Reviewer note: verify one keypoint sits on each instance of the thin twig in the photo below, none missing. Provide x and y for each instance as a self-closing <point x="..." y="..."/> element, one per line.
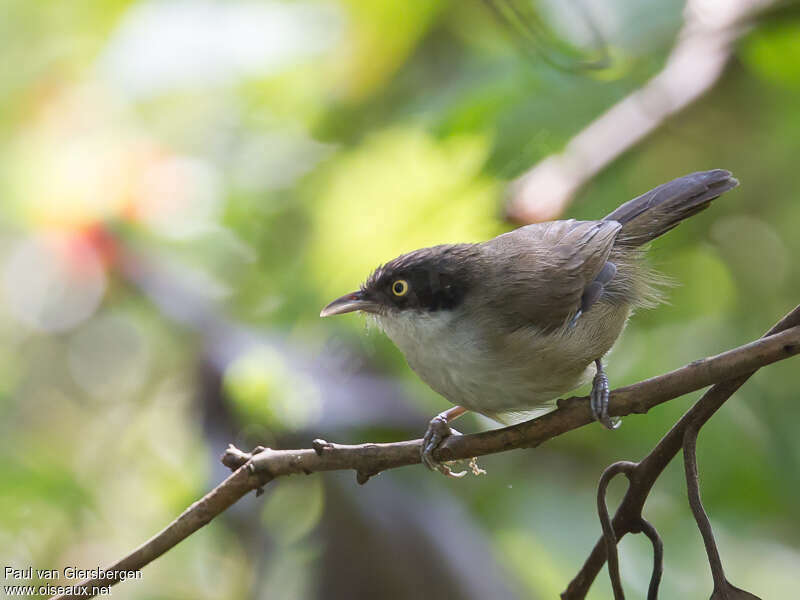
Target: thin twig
<point x="193" y="518"/>
<point x="605" y="522"/>
<point x="254" y="471"/>
<point x="610" y="537"/>
<point x="723" y="590"/>
<point x="658" y="557"/>
<point x="696" y="504"/>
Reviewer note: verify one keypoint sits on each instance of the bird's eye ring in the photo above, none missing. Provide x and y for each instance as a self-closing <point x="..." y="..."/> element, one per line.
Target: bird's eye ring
<point x="400" y="287"/>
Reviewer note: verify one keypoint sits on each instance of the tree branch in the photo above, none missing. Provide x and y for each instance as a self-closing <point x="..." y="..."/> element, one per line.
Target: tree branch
<point x="658" y="558"/>
<point x="254" y="470"/>
<point x="704" y="46"/>
<point x="723" y="589"/>
<point x="644" y="475"/>
<point x="610" y="537"/>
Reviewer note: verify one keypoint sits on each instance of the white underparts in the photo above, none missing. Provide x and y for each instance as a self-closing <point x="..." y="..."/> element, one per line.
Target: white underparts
<point x="493" y="373"/>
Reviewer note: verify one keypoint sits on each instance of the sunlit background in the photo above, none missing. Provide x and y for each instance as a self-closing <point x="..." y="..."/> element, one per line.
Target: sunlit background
<point x="184" y="184"/>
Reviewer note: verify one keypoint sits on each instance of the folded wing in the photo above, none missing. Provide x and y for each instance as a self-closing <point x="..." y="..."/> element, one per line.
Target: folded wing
<point x="552" y="270"/>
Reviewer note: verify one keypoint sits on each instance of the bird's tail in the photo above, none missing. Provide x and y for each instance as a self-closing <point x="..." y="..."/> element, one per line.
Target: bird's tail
<point x="654" y="213"/>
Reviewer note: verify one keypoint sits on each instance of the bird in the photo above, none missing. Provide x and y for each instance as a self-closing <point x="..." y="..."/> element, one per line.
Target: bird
<point x="506" y="326"/>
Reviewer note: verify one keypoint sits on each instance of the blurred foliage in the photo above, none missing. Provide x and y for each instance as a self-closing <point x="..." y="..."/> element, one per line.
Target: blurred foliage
<point x="411" y="189"/>
<point x="266" y="156"/>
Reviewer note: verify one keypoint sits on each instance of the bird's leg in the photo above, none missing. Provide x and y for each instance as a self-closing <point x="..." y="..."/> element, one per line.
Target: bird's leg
<point x="438" y="429"/>
<point x="599" y="398"/>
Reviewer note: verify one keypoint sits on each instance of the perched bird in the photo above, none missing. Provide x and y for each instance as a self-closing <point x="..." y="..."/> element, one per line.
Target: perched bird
<point x="506" y="326"/>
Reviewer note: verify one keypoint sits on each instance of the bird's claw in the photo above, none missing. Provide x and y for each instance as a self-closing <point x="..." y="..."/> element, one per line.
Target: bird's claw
<point x="438" y="430"/>
<point x="599" y="401"/>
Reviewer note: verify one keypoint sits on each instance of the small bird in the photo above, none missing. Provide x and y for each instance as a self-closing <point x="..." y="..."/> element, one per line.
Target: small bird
<point x="506" y="326"/>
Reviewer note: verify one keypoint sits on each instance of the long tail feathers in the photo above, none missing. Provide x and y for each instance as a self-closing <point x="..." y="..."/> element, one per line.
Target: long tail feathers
<point x="654" y="213"/>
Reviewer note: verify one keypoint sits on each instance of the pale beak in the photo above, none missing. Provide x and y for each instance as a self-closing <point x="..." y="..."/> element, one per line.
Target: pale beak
<point x="349" y="303"/>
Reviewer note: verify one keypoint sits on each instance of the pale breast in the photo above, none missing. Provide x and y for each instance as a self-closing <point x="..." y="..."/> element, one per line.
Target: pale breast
<point x="492" y="372"/>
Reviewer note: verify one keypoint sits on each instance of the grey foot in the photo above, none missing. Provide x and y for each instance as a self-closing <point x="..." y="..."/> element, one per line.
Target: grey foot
<point x="599" y="399"/>
<point x="437" y="431"/>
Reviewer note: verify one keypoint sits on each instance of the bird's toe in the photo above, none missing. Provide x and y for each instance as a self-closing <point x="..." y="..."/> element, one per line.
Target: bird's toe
<point x="599" y="400"/>
<point x="437" y="431"/>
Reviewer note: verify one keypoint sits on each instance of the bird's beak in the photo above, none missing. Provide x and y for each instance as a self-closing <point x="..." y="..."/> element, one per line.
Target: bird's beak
<point x="349" y="303"/>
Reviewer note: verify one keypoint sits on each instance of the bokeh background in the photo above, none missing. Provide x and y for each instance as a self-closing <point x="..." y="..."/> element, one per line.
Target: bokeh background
<point x="184" y="184"/>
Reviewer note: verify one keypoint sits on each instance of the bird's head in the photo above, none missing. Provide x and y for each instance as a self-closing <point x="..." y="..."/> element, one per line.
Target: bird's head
<point x="427" y="281"/>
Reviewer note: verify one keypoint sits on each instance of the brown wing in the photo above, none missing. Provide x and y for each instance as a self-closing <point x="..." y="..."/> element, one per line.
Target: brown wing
<point x="546" y="268"/>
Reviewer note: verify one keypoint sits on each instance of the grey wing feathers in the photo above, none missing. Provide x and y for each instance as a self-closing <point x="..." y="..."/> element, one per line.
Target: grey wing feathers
<point x="548" y="267"/>
<point x="655" y="212"/>
<point x="595" y="289"/>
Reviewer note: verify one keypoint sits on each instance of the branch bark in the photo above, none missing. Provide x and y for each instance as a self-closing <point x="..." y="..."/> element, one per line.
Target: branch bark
<point x="723" y="589"/>
<point x="254" y="470"/>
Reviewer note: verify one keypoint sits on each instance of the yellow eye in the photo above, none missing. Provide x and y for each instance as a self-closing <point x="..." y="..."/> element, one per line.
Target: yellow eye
<point x="400" y="287"/>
